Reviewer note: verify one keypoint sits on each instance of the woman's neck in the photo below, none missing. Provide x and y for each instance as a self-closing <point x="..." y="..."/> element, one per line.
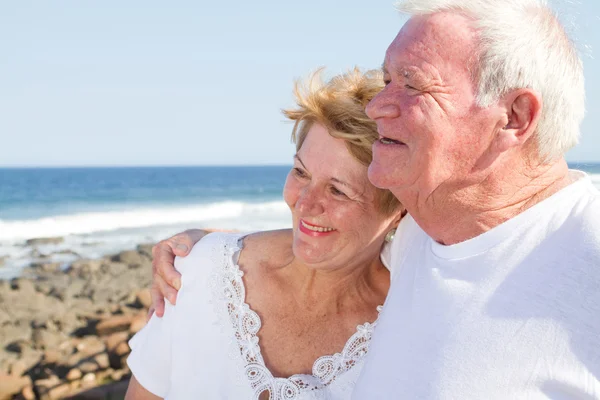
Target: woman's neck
<point x="331" y="291"/>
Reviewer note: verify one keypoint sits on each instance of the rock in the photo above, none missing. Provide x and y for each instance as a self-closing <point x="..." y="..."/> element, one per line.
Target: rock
<point x="67" y="252"/>
<point x="44" y="386"/>
<point x="102" y="361"/>
<point x="88" y="366"/>
<point x="131" y="257"/>
<point x="48" y="240"/>
<point x="46" y="267"/>
<point x="115" y="339"/>
<point x="45" y="339"/>
<point x="25" y="286"/>
<point x="19" y="367"/>
<point x="90" y="346"/>
<point x="89" y="380"/>
<point x="85" y="266"/>
<point x="12" y="385"/>
<point x="27" y="393"/>
<point x="122" y="349"/>
<point x="52" y="356"/>
<point x="118" y="375"/>
<point x="18" y="346"/>
<point x="114" y="324"/>
<point x="138" y="322"/>
<point x="143" y="298"/>
<point x="145" y="249"/>
<point x="74" y="374"/>
<point x="59" y="392"/>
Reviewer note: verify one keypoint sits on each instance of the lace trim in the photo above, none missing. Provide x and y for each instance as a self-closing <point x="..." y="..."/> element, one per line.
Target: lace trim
<point x="246" y="323"/>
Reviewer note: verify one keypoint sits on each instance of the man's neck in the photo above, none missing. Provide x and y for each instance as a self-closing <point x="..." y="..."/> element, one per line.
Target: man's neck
<point x="458" y="215"/>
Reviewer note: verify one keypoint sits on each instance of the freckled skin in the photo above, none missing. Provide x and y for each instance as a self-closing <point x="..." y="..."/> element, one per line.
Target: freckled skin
<point x="312" y="292"/>
<point x="312" y="196"/>
<point x="461" y="171"/>
<point x="437" y="119"/>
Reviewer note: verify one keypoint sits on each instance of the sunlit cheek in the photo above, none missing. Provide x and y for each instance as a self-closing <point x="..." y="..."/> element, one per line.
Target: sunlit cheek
<point x="290" y="192"/>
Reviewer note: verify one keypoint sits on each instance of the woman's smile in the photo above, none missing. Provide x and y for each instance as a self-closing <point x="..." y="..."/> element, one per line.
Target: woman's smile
<point x="314" y="230"/>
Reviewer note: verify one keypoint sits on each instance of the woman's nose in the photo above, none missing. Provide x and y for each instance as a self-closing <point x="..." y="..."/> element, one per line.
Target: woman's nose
<point x="309" y="202"/>
<point x="383" y="106"/>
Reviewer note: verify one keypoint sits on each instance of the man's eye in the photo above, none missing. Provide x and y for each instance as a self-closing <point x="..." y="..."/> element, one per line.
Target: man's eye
<point x="409" y="87"/>
<point x="337" y="192"/>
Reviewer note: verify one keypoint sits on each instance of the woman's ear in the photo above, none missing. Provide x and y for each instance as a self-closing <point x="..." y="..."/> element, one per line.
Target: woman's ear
<point x="398" y="215"/>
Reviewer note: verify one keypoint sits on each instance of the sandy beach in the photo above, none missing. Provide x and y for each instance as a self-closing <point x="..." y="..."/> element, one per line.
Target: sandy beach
<point x="64" y="333"/>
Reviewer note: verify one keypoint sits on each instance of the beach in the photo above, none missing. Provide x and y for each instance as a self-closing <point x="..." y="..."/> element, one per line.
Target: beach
<point x="65" y="332"/>
<point x="75" y="262"/>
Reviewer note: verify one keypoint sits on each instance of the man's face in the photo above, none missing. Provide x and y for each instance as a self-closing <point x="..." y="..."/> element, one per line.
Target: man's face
<point x="432" y="133"/>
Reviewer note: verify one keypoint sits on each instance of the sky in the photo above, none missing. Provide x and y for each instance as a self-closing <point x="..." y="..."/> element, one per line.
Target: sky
<point x="113" y="83"/>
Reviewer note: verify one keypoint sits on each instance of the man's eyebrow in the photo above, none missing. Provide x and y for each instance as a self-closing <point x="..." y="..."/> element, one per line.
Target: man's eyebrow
<point x="400" y="71"/>
<point x="383" y="68"/>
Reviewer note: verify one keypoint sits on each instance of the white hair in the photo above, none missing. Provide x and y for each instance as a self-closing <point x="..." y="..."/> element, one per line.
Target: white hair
<point x="523" y="45"/>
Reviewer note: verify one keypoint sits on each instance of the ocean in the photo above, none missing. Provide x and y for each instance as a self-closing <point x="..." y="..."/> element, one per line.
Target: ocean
<point x="99" y="211"/>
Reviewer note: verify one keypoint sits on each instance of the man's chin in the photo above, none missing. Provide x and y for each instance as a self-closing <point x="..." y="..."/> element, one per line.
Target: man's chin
<point x="379" y="176"/>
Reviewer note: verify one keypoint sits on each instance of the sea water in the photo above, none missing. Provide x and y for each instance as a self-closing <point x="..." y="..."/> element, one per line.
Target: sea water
<point x="99" y="211"/>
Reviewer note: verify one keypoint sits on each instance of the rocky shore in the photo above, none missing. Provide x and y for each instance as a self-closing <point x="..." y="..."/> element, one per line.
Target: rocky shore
<point x="64" y="333"/>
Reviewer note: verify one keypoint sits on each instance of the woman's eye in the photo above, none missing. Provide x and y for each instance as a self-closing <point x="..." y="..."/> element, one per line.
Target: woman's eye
<point x="299" y="173"/>
<point x="409" y="87"/>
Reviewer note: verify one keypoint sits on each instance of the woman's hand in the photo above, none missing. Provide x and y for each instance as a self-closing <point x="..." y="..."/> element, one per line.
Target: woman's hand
<point x="166" y="281"/>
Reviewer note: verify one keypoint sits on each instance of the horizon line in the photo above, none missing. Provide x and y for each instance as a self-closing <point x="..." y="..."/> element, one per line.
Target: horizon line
<point x="81" y="166"/>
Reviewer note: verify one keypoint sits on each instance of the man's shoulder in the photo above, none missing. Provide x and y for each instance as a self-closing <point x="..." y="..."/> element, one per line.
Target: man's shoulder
<point x="584" y="219"/>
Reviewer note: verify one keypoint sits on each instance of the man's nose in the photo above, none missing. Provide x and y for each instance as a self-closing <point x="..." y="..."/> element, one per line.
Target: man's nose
<point x="383" y="106"/>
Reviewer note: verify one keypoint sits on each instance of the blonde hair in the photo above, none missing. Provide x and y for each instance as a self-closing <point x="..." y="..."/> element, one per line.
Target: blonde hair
<point x="339" y="105"/>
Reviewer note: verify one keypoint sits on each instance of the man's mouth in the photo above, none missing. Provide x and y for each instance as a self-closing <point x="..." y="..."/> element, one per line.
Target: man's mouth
<point x="388" y="141"/>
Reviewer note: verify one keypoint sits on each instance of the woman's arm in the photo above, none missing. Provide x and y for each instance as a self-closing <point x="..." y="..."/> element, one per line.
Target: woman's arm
<point x="135" y="391"/>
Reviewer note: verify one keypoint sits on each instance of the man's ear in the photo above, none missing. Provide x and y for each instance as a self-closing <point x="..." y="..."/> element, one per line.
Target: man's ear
<point x="523" y="111"/>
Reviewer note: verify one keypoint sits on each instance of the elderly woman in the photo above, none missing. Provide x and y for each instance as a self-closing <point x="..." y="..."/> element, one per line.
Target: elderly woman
<point x="258" y="318"/>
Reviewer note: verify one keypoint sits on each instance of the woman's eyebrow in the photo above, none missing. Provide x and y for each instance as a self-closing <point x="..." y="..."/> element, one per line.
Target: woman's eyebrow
<point x="336" y="180"/>
<point x="349" y="186"/>
<point x="297" y="157"/>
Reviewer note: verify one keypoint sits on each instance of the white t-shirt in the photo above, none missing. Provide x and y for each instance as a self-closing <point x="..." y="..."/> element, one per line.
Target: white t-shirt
<point x="207" y="346"/>
<point x="511" y="314"/>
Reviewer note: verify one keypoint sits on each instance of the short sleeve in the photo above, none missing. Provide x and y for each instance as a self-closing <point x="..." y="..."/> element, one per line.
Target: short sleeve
<point x="151" y="348"/>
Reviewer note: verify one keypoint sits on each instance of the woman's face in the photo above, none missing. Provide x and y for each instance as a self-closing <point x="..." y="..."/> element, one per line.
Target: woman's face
<point x="335" y="219"/>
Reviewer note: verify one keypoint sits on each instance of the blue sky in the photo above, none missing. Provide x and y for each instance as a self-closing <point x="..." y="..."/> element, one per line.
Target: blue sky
<point x="194" y="82"/>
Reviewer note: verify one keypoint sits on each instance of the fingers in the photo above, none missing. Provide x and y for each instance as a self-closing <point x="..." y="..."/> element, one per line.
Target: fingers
<point x="166" y="290"/>
<point x="163" y="259"/>
<point x="158" y="302"/>
<point x="149" y="315"/>
<point x="166" y="280"/>
<point x="182" y="243"/>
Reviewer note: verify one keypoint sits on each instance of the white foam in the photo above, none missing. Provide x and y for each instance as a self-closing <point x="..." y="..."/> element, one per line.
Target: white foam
<point x="595" y="180"/>
<point x="93" y="222"/>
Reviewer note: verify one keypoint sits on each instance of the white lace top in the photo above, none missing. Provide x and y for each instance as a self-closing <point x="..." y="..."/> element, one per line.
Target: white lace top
<point x="207" y="346"/>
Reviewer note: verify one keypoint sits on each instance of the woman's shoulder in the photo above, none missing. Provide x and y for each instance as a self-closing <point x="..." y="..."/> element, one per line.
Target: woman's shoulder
<point x="267" y="248"/>
<point x="211" y="251"/>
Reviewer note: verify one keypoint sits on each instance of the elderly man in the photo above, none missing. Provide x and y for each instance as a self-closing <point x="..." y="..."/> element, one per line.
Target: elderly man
<point x="496" y="269"/>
